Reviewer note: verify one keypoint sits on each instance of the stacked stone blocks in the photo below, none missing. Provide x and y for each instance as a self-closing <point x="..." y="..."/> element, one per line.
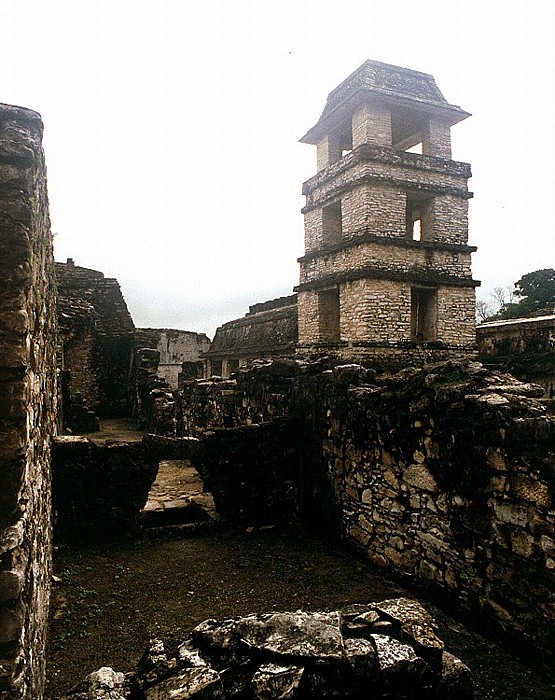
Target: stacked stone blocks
<point x="28" y="403"/>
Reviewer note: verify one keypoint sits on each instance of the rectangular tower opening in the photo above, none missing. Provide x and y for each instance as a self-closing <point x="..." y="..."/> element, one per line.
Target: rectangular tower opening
<point x="423" y="314"/>
<point x="328" y="315"/>
<point x="419" y="217"/>
<point x="332" y="224"/>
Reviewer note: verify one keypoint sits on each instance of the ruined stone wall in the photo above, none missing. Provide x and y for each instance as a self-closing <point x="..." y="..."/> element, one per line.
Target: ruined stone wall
<point x="444" y="475"/>
<point x="96" y="340"/>
<point x="28" y="397"/>
<point x="175" y="347"/>
<point x="98" y="490"/>
<point x="154" y="405"/>
<point x="447" y="477"/>
<point x="523" y="346"/>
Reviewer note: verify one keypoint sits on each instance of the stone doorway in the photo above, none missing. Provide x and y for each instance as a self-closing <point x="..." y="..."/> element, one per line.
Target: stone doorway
<point x="177" y="498"/>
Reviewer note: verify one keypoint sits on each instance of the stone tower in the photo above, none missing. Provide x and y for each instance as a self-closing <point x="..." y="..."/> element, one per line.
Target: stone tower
<point x="386" y="271"/>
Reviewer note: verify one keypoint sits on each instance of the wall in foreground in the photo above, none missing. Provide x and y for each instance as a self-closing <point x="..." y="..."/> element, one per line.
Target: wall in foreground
<point x="27" y="403"/>
<point x="443" y="475"/>
<point x="446" y="477"/>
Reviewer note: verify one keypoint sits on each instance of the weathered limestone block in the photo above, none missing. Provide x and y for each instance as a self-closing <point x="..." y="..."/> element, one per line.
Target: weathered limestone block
<point x="274" y="681"/>
<point x="104" y="684"/>
<point x="362" y="651"/>
<point x="300" y="635"/>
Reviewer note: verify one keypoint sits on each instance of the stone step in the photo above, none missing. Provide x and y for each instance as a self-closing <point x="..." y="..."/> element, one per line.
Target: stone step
<point x="179" y="531"/>
<point x="177" y="512"/>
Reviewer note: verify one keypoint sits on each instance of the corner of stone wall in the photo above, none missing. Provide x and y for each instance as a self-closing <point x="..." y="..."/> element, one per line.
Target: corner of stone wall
<point x="28" y="403"/>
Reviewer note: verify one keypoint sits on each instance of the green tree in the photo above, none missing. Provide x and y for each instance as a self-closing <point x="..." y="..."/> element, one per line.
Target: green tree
<point x="534" y="291"/>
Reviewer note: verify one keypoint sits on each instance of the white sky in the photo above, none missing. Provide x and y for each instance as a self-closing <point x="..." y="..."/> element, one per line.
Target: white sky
<point x="172" y="127"/>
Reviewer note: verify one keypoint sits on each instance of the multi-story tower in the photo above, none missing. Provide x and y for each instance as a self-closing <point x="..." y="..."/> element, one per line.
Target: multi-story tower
<point x="386" y="271"/>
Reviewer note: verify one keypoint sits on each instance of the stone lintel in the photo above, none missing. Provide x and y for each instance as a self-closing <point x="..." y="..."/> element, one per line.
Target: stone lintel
<point x="424" y="278"/>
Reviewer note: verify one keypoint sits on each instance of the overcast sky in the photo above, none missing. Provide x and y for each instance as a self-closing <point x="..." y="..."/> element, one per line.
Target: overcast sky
<point x="172" y="127"/>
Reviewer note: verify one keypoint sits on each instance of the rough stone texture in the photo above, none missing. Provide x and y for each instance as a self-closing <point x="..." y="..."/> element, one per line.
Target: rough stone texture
<point x="96" y="342"/>
<point x="99" y="490"/>
<point x="28" y="402"/>
<point x="104" y="684"/>
<point x="176" y="347"/>
<point x="444" y="474"/>
<point x="268" y="330"/>
<point x="523" y="346"/>
<point x="154" y="398"/>
<point x="341" y="654"/>
<point x="254" y="472"/>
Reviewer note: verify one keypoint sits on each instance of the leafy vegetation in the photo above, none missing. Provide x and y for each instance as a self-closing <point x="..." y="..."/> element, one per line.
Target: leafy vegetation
<point x="532" y="293"/>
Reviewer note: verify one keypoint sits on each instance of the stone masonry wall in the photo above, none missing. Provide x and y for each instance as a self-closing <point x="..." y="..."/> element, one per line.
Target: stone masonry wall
<point x="408" y="258"/>
<point x="28" y="400"/>
<point x="175" y="348"/>
<point x="391" y="171"/>
<point x="268" y="330"/>
<point x="96" y="340"/>
<point x="444" y="474"/>
<point x="376" y="319"/>
<point x="523" y="346"/>
<point x="98" y="490"/>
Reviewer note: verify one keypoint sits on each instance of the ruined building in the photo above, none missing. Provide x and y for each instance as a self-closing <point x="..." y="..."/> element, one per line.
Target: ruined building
<point x="386" y="270"/>
<point x="179" y="352"/>
<point x="96" y="343"/>
<point x="522" y="346"/>
<point x="268" y="330"/>
<point x="97" y="346"/>
<point x="441" y="474"/>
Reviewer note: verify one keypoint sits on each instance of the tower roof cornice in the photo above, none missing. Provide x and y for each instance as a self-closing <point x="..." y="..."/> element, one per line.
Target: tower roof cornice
<point x="393" y="84"/>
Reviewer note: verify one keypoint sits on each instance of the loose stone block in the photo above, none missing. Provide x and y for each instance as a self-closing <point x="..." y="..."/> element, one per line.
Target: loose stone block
<point x="420" y="477"/>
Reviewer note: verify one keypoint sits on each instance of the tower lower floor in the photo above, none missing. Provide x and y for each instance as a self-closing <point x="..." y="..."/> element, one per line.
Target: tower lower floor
<point x="390" y="323"/>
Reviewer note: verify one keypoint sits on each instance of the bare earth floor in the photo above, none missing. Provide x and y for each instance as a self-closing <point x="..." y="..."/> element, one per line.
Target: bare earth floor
<point x="110" y="601"/>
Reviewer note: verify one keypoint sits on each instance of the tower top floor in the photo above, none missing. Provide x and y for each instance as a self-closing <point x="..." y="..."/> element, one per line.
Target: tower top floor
<point x="384" y="105"/>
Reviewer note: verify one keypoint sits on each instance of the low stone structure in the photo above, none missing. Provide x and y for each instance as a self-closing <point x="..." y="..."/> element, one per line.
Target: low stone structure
<point x="524" y="347"/>
<point x="270" y="329"/>
<point x="155" y="409"/>
<point x="99" y="489"/>
<point x="380" y="650"/>
<point x="28" y="403"/>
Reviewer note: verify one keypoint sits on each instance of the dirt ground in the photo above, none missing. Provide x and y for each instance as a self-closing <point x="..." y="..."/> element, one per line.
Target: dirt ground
<point x="110" y="601"/>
